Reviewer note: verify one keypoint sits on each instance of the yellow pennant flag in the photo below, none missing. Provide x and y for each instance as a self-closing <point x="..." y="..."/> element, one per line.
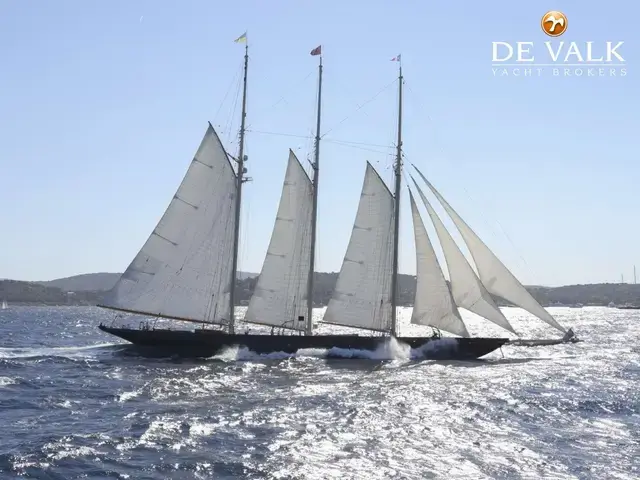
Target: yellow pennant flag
<point x="242" y="38"/>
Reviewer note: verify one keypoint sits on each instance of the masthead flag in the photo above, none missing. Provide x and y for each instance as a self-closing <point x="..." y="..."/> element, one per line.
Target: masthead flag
<point x="242" y="38"/>
<point x="317" y="50"/>
<point x="396" y="59"/>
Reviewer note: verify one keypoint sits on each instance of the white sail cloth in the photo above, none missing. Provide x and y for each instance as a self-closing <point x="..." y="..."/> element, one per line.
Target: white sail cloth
<point x="280" y="296"/>
<point x="184" y="268"/>
<point x="362" y="296"/>
<point x="495" y="277"/>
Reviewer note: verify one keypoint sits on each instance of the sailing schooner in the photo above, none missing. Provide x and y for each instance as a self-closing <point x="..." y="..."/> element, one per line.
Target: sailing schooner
<point x="187" y="268"/>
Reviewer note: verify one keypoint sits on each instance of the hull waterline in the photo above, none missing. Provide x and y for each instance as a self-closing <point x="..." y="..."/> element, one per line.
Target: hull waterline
<point x="206" y="343"/>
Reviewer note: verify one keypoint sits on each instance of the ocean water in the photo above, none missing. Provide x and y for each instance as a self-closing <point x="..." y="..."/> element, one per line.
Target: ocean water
<point x="76" y="403"/>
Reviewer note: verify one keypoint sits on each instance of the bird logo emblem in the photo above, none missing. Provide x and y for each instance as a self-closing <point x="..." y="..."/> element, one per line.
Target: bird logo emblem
<point x="554" y="23"/>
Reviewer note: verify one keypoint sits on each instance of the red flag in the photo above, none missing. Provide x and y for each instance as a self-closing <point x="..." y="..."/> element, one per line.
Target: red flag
<point x="317" y="50"/>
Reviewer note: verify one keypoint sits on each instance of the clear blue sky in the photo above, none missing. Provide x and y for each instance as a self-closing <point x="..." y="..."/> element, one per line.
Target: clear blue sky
<point x="104" y="103"/>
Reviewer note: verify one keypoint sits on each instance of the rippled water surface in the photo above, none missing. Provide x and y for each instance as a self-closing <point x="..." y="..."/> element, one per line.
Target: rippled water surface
<point x="76" y="403"/>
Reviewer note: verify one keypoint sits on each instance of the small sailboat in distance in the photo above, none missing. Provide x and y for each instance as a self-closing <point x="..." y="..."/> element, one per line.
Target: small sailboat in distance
<point x="186" y="270"/>
<point x="4" y="305"/>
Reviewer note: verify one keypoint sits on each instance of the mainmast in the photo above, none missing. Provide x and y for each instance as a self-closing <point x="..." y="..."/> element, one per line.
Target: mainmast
<point x="396" y="217"/>
<point x="314" y="210"/>
<point x="240" y="178"/>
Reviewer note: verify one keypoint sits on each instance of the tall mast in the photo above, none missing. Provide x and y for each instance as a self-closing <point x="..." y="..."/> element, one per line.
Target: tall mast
<point x="314" y="210"/>
<point x="396" y="216"/>
<point x="240" y="178"/>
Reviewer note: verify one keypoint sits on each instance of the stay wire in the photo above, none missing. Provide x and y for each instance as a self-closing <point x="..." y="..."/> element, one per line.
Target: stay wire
<point x="416" y="100"/>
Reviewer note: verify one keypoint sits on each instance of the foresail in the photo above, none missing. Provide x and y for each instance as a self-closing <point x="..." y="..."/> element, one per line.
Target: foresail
<point x="280" y="296"/>
<point x="362" y="296"/>
<point x="184" y="268"/>
<point x="434" y="305"/>
<point x="496" y="278"/>
<point x="468" y="292"/>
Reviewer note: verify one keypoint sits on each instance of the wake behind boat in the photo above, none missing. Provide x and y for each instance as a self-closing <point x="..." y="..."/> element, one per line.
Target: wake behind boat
<point x="186" y="270"/>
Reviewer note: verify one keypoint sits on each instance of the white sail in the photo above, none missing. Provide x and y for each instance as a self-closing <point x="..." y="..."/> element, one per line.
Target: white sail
<point x="467" y="289"/>
<point x="496" y="278"/>
<point x="4" y="304"/>
<point x="280" y="296"/>
<point x="184" y="268"/>
<point x="362" y="294"/>
<point x="434" y="305"/>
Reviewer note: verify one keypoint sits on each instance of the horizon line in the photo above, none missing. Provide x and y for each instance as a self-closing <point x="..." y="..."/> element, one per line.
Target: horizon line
<point x="335" y="273"/>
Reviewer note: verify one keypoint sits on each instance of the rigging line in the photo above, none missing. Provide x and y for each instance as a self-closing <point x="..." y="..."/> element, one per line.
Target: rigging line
<point x="310" y="144"/>
<point x="262" y="132"/>
<point x="327" y="140"/>
<point x="365" y="144"/>
<point x="282" y="98"/>
<point x="229" y="121"/>
<point x="359" y="148"/>
<point x="484" y="218"/>
<point x="360" y="107"/>
<point x="393" y="140"/>
<point x="224" y="99"/>
<point x="235" y="109"/>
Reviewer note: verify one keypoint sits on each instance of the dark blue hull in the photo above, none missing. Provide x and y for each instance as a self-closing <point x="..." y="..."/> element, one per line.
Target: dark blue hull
<point x="206" y="343"/>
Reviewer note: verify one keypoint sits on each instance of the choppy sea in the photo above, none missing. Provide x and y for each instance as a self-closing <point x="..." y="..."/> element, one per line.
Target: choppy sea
<point x="76" y="403"/>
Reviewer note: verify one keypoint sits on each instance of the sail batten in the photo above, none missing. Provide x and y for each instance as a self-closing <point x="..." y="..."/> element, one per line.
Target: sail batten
<point x="361" y="298"/>
<point x="183" y="269"/>
<point x="434" y="305"/>
<point x="280" y="296"/>
<point x="494" y="275"/>
<point x="466" y="288"/>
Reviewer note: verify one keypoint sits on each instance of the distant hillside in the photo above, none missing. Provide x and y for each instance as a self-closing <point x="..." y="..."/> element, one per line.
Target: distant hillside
<point x="88" y="289"/>
<point x="85" y="282"/>
<point x="32" y="293"/>
<point x="597" y="294"/>
<point x="98" y="282"/>
<point x="593" y="294"/>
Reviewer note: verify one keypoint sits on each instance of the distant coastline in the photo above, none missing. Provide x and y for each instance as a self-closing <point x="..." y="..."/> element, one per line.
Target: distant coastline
<point x="90" y="288"/>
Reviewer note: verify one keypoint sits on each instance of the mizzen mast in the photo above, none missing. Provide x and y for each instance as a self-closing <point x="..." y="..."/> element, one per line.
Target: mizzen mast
<point x="396" y="216"/>
<point x="240" y="180"/>
<point x="314" y="210"/>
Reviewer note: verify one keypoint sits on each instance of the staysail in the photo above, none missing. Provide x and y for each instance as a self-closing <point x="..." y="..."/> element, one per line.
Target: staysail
<point x="361" y="298"/>
<point x="184" y="268"/>
<point x="280" y="296"/>
<point x="434" y="305"/>
<point x="493" y="274"/>
<point x="467" y="289"/>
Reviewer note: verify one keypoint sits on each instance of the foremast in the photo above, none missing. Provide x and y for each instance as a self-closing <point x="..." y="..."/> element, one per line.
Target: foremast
<point x="396" y="216"/>
<point x="314" y="210"/>
<point x="240" y="180"/>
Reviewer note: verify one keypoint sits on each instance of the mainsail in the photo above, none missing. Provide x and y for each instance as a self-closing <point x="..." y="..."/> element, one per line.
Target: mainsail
<point x="467" y="289"/>
<point x="493" y="274"/>
<point x="280" y="296"/>
<point x="183" y="270"/>
<point x="434" y="305"/>
<point x="361" y="298"/>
